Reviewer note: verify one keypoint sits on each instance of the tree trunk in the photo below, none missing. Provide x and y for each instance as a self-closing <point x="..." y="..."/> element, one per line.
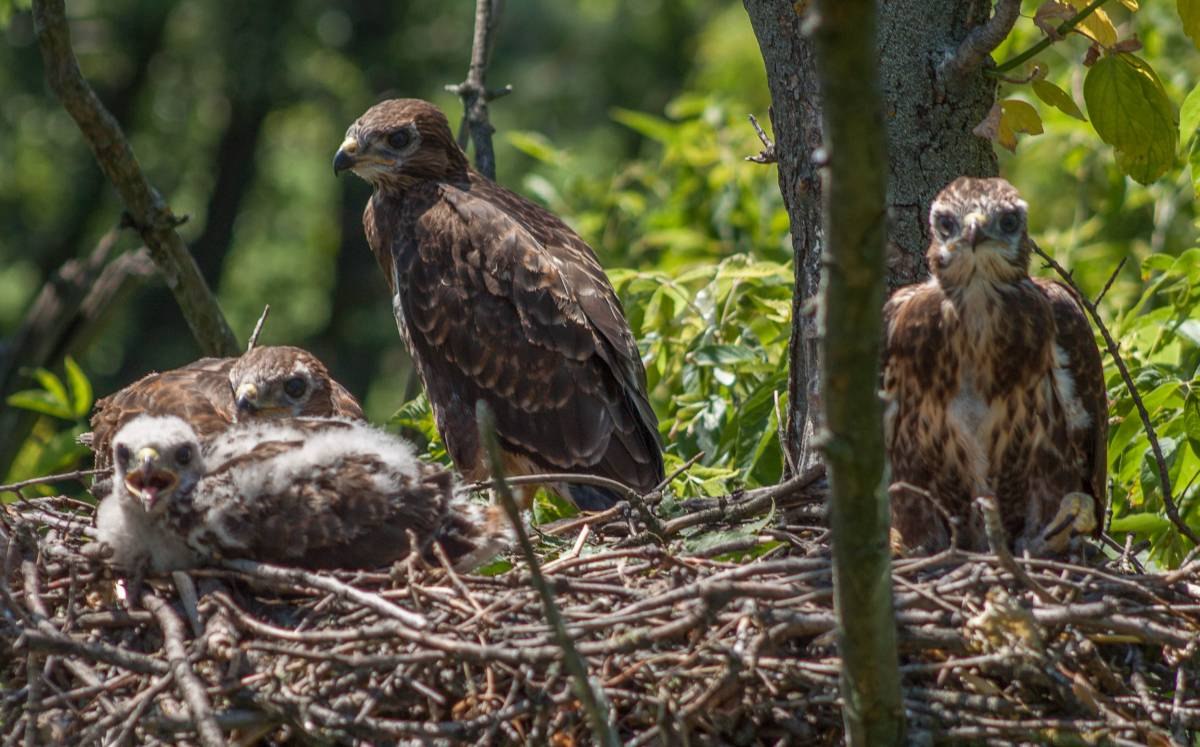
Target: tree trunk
<point x="929" y="142"/>
<point x="854" y="183"/>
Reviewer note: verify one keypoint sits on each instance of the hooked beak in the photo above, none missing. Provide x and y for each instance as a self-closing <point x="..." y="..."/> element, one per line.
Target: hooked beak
<point x="974" y="233"/>
<point x="346" y="156"/>
<point x="247" y="399"/>
<point x="148" y="482"/>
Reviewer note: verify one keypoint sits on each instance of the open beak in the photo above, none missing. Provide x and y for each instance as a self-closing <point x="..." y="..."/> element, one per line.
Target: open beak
<point x="149" y="482"/>
<point x="346" y="156"/>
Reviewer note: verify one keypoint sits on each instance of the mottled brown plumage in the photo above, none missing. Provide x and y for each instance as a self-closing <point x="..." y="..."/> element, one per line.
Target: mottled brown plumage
<point x="993" y="381"/>
<point x="203" y="394"/>
<point x="500" y="301"/>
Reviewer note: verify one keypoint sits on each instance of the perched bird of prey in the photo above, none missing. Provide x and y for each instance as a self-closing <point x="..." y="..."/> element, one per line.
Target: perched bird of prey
<point x="309" y="492"/>
<point x="993" y="385"/>
<point x="500" y="301"/>
<point x="212" y="393"/>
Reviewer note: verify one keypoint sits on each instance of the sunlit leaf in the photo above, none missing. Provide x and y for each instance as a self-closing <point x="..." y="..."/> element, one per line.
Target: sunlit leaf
<point x="1096" y="25"/>
<point x="1058" y="98"/>
<point x="81" y="388"/>
<point x="1140" y="522"/>
<point x="1131" y="112"/>
<point x="1189" y="13"/>
<point x="41" y="401"/>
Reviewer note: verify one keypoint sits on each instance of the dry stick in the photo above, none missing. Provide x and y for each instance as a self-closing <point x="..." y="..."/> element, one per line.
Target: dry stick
<point x="593" y="701"/>
<point x="145" y="207"/>
<point x="299" y="577"/>
<point x="1164" y="475"/>
<point x="78" y="474"/>
<point x="474" y="92"/>
<point x="766" y="155"/>
<point x="258" y="328"/>
<point x="186" y="681"/>
<point x="993" y="527"/>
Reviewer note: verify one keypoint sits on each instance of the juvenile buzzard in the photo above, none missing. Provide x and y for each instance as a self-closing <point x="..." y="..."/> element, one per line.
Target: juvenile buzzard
<point x="310" y="492"/>
<point x="267" y="381"/>
<point x="994" y="384"/>
<point x="498" y="300"/>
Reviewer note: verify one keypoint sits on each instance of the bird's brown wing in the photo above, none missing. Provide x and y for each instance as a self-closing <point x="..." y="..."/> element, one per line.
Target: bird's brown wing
<point x="524" y="319"/>
<point x="198" y="393"/>
<point x="1083" y="363"/>
<point x="344" y="403"/>
<point x="325" y="515"/>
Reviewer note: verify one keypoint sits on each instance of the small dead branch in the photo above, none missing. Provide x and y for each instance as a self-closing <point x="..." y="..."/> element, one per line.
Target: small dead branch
<point x="258" y="327"/>
<point x="145" y="208"/>
<point x="1114" y="350"/>
<point x="767" y="154"/>
<point x="186" y="681"/>
<point x="474" y="92"/>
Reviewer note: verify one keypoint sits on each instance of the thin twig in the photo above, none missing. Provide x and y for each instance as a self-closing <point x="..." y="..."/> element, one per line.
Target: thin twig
<point x="767" y="154"/>
<point x="189" y="685"/>
<point x="258" y="327"/>
<point x="592" y="699"/>
<point x="1111" y="279"/>
<point x="78" y="474"/>
<point x="1063" y="29"/>
<point x="474" y="92"/>
<point x="146" y="209"/>
<point x="993" y="527"/>
<point x="1164" y="473"/>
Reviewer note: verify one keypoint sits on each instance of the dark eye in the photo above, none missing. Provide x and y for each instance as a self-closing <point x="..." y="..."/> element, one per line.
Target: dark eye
<point x="183" y="455"/>
<point x="400" y="139"/>
<point x="123" y="453"/>
<point x="945" y="224"/>
<point x="294" y="387"/>
<point x="1010" y="222"/>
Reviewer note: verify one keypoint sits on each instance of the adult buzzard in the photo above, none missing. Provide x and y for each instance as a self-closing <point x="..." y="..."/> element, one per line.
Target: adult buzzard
<point x="500" y="301"/>
<point x="994" y="385"/>
<point x="212" y="393"/>
<point x="309" y="492"/>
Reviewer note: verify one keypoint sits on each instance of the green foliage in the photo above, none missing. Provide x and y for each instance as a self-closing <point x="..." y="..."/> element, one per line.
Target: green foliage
<point x="1131" y="112"/>
<point x="64" y="404"/>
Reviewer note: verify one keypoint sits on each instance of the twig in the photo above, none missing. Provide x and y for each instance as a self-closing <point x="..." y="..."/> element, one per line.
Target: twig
<point x="474" y="92"/>
<point x="300" y="577"/>
<point x="78" y="474"/>
<point x="1063" y="29"/>
<point x="767" y="154"/>
<point x="1111" y="279"/>
<point x="258" y="328"/>
<point x="592" y="700"/>
<point x="677" y="472"/>
<point x="980" y="42"/>
<point x="188" y="684"/>
<point x="146" y="208"/>
<point x="1164" y="474"/>
<point x="993" y="527"/>
<point x="570" y="477"/>
<point x="756" y="502"/>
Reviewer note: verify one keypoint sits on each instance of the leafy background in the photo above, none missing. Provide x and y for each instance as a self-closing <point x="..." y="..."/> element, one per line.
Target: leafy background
<point x="629" y="119"/>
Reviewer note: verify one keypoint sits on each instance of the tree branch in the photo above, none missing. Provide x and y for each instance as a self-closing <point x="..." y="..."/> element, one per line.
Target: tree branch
<point x="189" y="685"/>
<point x="855" y="180"/>
<point x="980" y="43"/>
<point x="1164" y="473"/>
<point x="145" y="207"/>
<point x="474" y="92"/>
<point x="1063" y="29"/>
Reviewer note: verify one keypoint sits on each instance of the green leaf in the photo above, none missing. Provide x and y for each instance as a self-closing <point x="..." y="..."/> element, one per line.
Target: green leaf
<point x="53" y="386"/>
<point x="1189" y="13"/>
<point x="41" y="401"/>
<point x="655" y="128"/>
<point x="537" y="146"/>
<point x="1140" y="522"/>
<point x="1189" y="114"/>
<point x="81" y="388"/>
<point x="1058" y="98"/>
<point x="1131" y="112"/>
<point x="721" y="355"/>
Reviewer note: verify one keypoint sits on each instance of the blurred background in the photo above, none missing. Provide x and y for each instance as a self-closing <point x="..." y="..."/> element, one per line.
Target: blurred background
<point x="628" y="118"/>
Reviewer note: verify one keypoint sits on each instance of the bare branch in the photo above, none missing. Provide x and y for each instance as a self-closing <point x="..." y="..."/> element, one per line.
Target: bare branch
<point x="474" y="92"/>
<point x="980" y="43"/>
<point x="145" y="208"/>
<point x="767" y="154"/>
<point x="189" y="685"/>
<point x="258" y="328"/>
<point x="1164" y="473"/>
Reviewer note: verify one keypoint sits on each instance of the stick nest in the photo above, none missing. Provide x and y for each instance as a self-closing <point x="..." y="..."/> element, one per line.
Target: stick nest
<point x="683" y="647"/>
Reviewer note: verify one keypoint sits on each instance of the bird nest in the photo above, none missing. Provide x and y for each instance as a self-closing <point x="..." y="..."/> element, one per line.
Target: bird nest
<point x="681" y="647"/>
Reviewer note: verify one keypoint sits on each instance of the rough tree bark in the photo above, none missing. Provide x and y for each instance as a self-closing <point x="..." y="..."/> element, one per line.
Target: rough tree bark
<point x="934" y="94"/>
<point x="854" y="184"/>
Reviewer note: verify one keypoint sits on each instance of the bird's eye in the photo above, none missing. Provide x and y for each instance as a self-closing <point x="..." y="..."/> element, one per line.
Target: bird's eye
<point x="294" y="387"/>
<point x="123" y="453"/>
<point x="1010" y="222"/>
<point x="945" y="224"/>
<point x="183" y="454"/>
<point x="400" y="139"/>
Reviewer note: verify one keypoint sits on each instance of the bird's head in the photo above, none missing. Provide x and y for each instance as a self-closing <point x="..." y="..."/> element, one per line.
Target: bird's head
<point x="399" y="142"/>
<point x="279" y="382"/>
<point x="155" y="459"/>
<point x="978" y="229"/>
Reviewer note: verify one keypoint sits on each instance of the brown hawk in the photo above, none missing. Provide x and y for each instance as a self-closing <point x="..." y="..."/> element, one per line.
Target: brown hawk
<point x="308" y="492"/>
<point x="993" y="385"/>
<point x="500" y="301"/>
<point x="212" y="393"/>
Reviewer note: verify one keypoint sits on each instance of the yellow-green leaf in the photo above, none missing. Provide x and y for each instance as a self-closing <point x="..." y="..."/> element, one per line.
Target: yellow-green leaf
<point x="1020" y="116"/>
<point x="1058" y="98"/>
<point x="1189" y="13"/>
<point x="1096" y="25"/>
<point x="1189" y="115"/>
<point x="1131" y="112"/>
<point x="1131" y="4"/>
<point x="81" y="388"/>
